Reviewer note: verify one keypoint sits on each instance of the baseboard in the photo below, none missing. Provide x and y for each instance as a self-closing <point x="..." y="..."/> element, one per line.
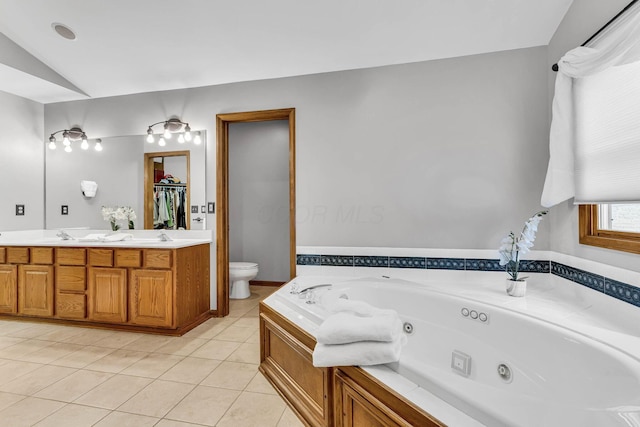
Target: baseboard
<point x="265" y="283"/>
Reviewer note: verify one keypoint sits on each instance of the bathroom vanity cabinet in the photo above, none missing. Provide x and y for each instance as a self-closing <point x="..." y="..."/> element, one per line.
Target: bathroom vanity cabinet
<point x="340" y="396"/>
<point x="130" y="288"/>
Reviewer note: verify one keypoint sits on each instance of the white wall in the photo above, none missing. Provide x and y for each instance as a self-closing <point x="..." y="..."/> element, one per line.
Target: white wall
<point x="21" y="160"/>
<point x="449" y="153"/>
<point x="259" y="197"/>
<point x="583" y="19"/>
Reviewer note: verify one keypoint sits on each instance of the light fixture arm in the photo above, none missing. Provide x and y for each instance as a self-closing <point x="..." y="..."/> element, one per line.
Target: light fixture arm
<point x="171" y="125"/>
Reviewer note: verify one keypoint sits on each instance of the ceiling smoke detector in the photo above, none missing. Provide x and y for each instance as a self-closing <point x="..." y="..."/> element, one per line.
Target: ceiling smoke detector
<point x="63" y="31"/>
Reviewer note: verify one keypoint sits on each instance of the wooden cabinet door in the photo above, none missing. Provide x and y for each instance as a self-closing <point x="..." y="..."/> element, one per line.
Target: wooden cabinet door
<point x="151" y="298"/>
<point x="8" y="289"/>
<point x="35" y="290"/>
<point x="108" y="294"/>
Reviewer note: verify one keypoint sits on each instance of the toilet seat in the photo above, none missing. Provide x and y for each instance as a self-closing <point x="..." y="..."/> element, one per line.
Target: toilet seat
<point x="243" y="265"/>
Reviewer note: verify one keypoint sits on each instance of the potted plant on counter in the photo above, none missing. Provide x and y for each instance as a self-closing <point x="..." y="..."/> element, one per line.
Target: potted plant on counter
<point x="512" y="247"/>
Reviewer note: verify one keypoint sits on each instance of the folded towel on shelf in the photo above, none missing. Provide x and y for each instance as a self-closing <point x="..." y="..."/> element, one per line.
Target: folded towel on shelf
<point x="346" y="327"/>
<point x="361" y="353"/>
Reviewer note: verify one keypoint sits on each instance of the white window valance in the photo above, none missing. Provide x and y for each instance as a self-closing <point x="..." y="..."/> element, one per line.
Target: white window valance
<point x="572" y="156"/>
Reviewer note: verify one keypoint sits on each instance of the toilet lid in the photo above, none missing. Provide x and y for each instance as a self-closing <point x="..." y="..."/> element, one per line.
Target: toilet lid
<point x="243" y="265"/>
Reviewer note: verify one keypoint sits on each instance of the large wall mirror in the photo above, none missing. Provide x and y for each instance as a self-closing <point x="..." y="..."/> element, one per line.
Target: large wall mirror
<point x="129" y="172"/>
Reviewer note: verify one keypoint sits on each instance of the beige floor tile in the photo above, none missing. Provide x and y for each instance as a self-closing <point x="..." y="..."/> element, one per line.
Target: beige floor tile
<point x="28" y="412"/>
<point x="172" y="423"/>
<point x="9" y="341"/>
<point x="122" y="419"/>
<point x="246" y="353"/>
<point x="247" y="322"/>
<point x="208" y="331"/>
<point x="8" y="327"/>
<point x="235" y="333"/>
<point x="190" y="370"/>
<point x="231" y="375"/>
<point x="14" y="369"/>
<point x="32" y="331"/>
<point x="152" y="365"/>
<point x="117" y="339"/>
<point x="215" y="349"/>
<point x="148" y="343"/>
<point x="89" y="336"/>
<point x="116" y="361"/>
<point x="216" y="400"/>
<point x="73" y="386"/>
<point x="113" y="392"/>
<point x="259" y="384"/>
<point x="52" y="352"/>
<point x="157" y="398"/>
<point x="74" y="416"/>
<point x="83" y="357"/>
<point x="181" y="346"/>
<point x="289" y="419"/>
<point x="35" y="381"/>
<point x="253" y="410"/>
<point x="254" y="338"/>
<point x="23" y="349"/>
<point x="61" y="333"/>
<point x="8" y="399"/>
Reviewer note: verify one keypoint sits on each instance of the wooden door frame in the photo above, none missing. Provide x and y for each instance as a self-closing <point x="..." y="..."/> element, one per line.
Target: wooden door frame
<point x="148" y="185"/>
<point x="222" y="194"/>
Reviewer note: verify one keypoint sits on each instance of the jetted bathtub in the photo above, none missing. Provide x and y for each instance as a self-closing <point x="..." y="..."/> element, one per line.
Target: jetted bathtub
<point x="499" y="366"/>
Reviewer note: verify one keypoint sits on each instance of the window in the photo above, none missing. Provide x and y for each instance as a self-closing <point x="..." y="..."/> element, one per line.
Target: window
<point x="611" y="226"/>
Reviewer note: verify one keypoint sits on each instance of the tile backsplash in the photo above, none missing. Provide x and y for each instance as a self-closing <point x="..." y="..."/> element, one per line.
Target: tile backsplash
<point x="615" y="288"/>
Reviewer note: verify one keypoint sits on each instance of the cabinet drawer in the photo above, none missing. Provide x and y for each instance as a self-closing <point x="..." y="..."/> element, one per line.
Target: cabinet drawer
<point x="101" y="257"/>
<point x="128" y="257"/>
<point x="42" y="256"/>
<point x="3" y="255"/>
<point x="157" y="258"/>
<point x="71" y="256"/>
<point x="71" y="306"/>
<point x="71" y="279"/>
<point x="17" y="255"/>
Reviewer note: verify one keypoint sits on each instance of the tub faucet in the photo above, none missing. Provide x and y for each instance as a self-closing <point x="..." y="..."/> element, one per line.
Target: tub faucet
<point x="310" y="288"/>
<point x="164" y="238"/>
<point x="64" y="235"/>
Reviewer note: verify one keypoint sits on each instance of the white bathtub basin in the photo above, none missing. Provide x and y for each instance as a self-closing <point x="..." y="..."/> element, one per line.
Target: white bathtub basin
<point x="558" y="374"/>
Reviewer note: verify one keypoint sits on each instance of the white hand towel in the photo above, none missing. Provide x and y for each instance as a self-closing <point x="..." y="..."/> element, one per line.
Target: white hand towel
<point x="361" y="353"/>
<point x="346" y="327"/>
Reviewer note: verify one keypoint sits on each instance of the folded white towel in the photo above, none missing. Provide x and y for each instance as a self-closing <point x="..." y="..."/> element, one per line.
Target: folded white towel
<point x="346" y="327"/>
<point x="361" y="353"/>
<point x="359" y="308"/>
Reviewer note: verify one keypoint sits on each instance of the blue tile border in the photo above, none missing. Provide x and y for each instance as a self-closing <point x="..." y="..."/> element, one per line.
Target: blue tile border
<point x="613" y="288"/>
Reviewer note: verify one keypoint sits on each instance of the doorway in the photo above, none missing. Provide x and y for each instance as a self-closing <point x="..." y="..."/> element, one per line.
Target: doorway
<point x="222" y="195"/>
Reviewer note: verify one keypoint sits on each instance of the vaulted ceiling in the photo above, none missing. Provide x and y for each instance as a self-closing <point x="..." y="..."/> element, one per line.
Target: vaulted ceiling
<point x="134" y="46"/>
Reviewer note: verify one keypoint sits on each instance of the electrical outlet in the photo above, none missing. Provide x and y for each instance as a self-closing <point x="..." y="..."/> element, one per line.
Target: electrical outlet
<point x="64" y="210"/>
<point x="20" y="210"/>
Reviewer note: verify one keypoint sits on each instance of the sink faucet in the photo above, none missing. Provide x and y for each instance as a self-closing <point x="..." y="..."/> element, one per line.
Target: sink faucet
<point x="64" y="235"/>
<point x="164" y="238"/>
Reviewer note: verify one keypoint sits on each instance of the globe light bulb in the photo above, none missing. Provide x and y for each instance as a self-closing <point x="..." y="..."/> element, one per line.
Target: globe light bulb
<point x="68" y="148"/>
<point x="187" y="133"/>
<point x="162" y="142"/>
<point x="98" y="146"/>
<point x="181" y="139"/>
<point x="197" y="140"/>
<point x="52" y="145"/>
<point x="150" y="138"/>
<point x="84" y="145"/>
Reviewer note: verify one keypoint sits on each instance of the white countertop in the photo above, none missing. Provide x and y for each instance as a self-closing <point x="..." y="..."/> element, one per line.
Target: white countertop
<point x="86" y="238"/>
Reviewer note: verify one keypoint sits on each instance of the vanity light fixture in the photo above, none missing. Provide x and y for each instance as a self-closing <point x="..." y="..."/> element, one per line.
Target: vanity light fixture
<point x="69" y="136"/>
<point x="171" y="126"/>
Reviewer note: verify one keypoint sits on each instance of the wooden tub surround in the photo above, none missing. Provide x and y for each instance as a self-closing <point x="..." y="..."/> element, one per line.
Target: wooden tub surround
<point x="339" y="396"/>
<point x="163" y="291"/>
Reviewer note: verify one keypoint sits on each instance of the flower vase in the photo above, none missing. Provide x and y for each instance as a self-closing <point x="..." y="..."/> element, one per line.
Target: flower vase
<point x="516" y="288"/>
<point x="131" y="225"/>
<point x="114" y="226"/>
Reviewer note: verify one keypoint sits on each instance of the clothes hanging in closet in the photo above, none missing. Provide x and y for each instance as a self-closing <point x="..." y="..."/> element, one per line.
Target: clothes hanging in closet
<point x="169" y="207"/>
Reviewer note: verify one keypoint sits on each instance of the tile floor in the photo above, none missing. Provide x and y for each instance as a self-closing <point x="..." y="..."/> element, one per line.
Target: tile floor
<point x="52" y="375"/>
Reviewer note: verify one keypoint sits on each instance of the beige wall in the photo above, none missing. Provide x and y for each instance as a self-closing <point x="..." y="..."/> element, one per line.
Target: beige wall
<point x="440" y="154"/>
<point x="21" y="159"/>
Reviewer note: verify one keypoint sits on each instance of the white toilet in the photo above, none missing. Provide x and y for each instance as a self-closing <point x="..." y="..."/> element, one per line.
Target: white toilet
<point x="239" y="275"/>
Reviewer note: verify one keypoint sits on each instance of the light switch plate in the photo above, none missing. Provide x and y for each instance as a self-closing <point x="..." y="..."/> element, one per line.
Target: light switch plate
<point x="194" y="209"/>
<point x="211" y="207"/>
